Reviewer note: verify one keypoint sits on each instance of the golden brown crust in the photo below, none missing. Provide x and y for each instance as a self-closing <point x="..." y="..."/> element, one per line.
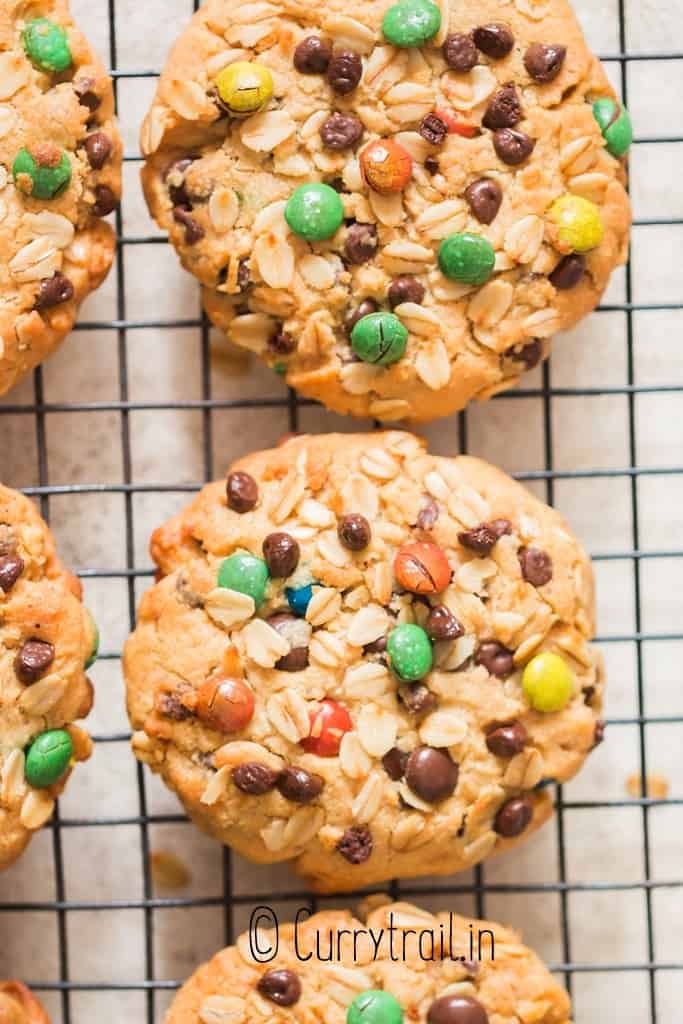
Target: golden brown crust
<point x="65" y="234"/>
<point x="514" y="986"/>
<point x="18" y="1005"/>
<point x="188" y="629"/>
<point x="464" y="343"/>
<point x="44" y="604"/>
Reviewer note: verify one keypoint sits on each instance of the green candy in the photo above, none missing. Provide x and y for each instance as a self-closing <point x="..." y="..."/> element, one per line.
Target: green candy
<point x="379" y="338"/>
<point x="548" y="682"/>
<point x="314" y="212"/>
<point x="47" y="45"/>
<point x="411" y="22"/>
<point x="374" y="1007"/>
<point x="467" y="258"/>
<point x="46" y="182"/>
<point x="615" y="124"/>
<point x="410" y="652"/>
<point x="95" y="650"/>
<point x="48" y="758"/>
<point x="245" y="573"/>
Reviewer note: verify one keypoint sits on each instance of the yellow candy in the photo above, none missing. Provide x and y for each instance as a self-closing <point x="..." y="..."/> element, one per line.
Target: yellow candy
<point x="578" y="222"/>
<point x="244" y="87"/>
<point x="548" y="682"/>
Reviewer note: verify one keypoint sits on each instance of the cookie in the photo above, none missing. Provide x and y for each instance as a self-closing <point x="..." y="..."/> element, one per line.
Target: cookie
<point x="397" y="204"/>
<point x="19" y="1006"/>
<point x="389" y="978"/>
<point x="47" y="641"/>
<point x="60" y="172"/>
<point x="365" y="659"/>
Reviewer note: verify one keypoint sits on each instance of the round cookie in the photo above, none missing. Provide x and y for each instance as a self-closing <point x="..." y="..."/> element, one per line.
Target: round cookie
<point x="389" y="979"/>
<point x="18" y="1005"/>
<point x="60" y="172"/>
<point x="342" y="660"/>
<point x="478" y="155"/>
<point x="47" y="640"/>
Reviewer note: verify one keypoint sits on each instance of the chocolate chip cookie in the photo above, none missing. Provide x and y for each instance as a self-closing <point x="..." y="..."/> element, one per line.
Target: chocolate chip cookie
<point x="60" y="169"/>
<point x="391" y="977"/>
<point x="396" y="205"/>
<point x="365" y="660"/>
<point x="47" y="641"/>
<point x="19" y="1006"/>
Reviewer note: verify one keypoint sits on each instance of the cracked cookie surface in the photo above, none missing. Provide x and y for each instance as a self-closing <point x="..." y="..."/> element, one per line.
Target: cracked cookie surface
<point x="60" y="170"/>
<point x="365" y="659"/>
<point x="501" y="128"/>
<point x="513" y="986"/>
<point x="47" y="639"/>
<point x="19" y="1006"/>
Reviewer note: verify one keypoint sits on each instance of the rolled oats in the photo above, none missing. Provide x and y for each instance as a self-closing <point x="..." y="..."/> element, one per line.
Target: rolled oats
<point x="228" y="608"/>
<point x="377" y="729"/>
<point x="36" y="809"/>
<point x="367" y="625"/>
<point x="264" y="644"/>
<point x="368" y="801"/>
<point x="223" y="1010"/>
<point x="324" y="606"/>
<point x="216" y="787"/>
<point x="288" y="714"/>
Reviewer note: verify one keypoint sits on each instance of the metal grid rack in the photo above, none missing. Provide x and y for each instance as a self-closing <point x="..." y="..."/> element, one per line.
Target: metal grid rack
<point x="226" y="901"/>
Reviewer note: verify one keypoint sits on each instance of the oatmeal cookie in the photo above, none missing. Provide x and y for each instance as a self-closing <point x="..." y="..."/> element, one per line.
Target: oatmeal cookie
<point x="397" y="204"/>
<point x="392" y="976"/>
<point x="60" y="171"/>
<point x="365" y="659"/>
<point x="19" y="1006"/>
<point x="47" y="641"/>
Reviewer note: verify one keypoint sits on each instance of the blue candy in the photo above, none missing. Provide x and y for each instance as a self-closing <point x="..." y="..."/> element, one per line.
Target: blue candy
<point x="299" y="598"/>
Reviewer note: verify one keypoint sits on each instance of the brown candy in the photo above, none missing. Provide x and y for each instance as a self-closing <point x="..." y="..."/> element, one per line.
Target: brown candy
<point x="568" y="272"/>
<point x="366" y="307"/>
<point x="53" y="291"/>
<point x="254" y="779"/>
<point x="312" y="55"/>
<point x="536" y="566"/>
<point x="281" y="552"/>
<point x="281" y="987"/>
<point x="98" y="147"/>
<point x="504" y="110"/>
<point x="341" y="131"/>
<point x="495" y="658"/>
<point x="300" y="786"/>
<point x="433" y="129"/>
<point x="361" y="243"/>
<point x="431" y="774"/>
<point x="387" y="166"/>
<point x="514" y="817"/>
<point x="86" y="97"/>
<point x="356" y="844"/>
<point x="345" y="71"/>
<point x="11" y="568"/>
<point x="242" y="491"/>
<point x="418" y="700"/>
<point x="405" y="289"/>
<point x="354" y="532"/>
<point x="484" y="198"/>
<point x="281" y="342"/>
<point x="442" y="624"/>
<point x="225" y="704"/>
<point x="495" y="40"/>
<point x="456" y="1009"/>
<point x="507" y="740"/>
<point x="289" y="626"/>
<point x="394" y="763"/>
<point x="422" y="568"/>
<point x="33" y="660"/>
<point x="483" y="538"/>
<point x="544" y="61"/>
<point x="459" y="52"/>
<point x="105" y="201"/>
<point x="513" y="147"/>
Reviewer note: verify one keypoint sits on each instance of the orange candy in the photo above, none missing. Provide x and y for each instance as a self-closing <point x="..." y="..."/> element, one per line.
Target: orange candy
<point x="456" y="126"/>
<point x="422" y="568"/>
<point x="387" y="167"/>
<point x="225" y="704"/>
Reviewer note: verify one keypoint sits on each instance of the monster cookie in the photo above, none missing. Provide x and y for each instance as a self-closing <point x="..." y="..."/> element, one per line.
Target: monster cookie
<point x="454" y="171"/>
<point x="60" y="163"/>
<point x="402" y="964"/>
<point x="365" y="659"/>
<point x="19" y="1006"/>
<point x="47" y="641"/>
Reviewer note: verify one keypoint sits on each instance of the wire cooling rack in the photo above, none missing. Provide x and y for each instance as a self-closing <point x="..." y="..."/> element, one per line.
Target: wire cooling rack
<point x="556" y="881"/>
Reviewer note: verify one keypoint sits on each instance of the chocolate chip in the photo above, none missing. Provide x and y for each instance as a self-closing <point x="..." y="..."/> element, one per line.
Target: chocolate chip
<point x="11" y="568"/>
<point x="366" y="307"/>
<point x="459" y="52"/>
<point x="514" y="817"/>
<point x="281" y="552"/>
<point x="194" y="232"/>
<point x="431" y="774"/>
<point x="300" y="786"/>
<point x="495" y="40"/>
<point x="504" y="110"/>
<point x="433" y="129"/>
<point x="242" y="492"/>
<point x="432" y="165"/>
<point x="170" y="706"/>
<point x="33" y="660"/>
<point x="281" y="987"/>
<point x="377" y="646"/>
<point x="507" y="740"/>
<point x="418" y="700"/>
<point x="345" y="71"/>
<point x="568" y="272"/>
<point x="484" y="198"/>
<point x="501" y="527"/>
<point x="529" y="354"/>
<point x="356" y="844"/>
<point x="282" y="342"/>
<point x="361" y="243"/>
<point x="295" y="661"/>
<point x="442" y="624"/>
<point x="428" y="515"/>
<point x="544" y="61"/>
<point x="98" y="147"/>
<point x="455" y="1009"/>
<point x="394" y="763"/>
<point x="599" y="734"/>
<point x="495" y="658"/>
<point x="354" y="531"/>
<point x="86" y="97"/>
<point x="105" y="201"/>
<point x="253" y="778"/>
<point x="243" y="282"/>
<point x="512" y="146"/>
<point x="536" y="565"/>
<point x="340" y="131"/>
<point x="174" y="178"/>
<point x="312" y="55"/>
<point x="53" y="291"/>
<point x="297" y="633"/>
<point x="483" y="538"/>
<point x="405" y="289"/>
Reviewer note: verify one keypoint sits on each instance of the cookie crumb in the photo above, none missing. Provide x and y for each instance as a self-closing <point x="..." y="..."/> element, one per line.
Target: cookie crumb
<point x="656" y="786"/>
<point x="168" y="870"/>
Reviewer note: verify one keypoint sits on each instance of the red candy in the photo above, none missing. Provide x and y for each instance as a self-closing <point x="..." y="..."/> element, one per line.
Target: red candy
<point x="225" y="704"/>
<point x="455" y="126"/>
<point x="422" y="568"/>
<point x="387" y="166"/>
<point x="328" y="724"/>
